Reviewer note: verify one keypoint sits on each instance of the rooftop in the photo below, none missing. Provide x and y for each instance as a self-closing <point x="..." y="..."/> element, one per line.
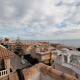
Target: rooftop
<point x="5" y="53"/>
<point x="70" y="52"/>
<point x="40" y="72"/>
<point x="44" y="72"/>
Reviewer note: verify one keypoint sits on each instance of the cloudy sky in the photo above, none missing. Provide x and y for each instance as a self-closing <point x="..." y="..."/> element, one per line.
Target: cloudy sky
<point x="40" y="19"/>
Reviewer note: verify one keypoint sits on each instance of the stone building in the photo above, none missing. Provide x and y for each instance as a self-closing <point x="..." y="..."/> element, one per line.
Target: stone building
<point x="45" y="57"/>
<point x="68" y="61"/>
<point x="9" y="62"/>
<point x="5" y="58"/>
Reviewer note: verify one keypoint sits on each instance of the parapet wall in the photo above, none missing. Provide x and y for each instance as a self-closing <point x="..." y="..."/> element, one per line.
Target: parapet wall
<point x="12" y="76"/>
<point x="55" y="74"/>
<point x="48" y="72"/>
<point x="41" y="72"/>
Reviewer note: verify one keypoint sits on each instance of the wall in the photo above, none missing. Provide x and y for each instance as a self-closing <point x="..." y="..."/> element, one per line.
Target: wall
<point x="46" y="77"/>
<point x="12" y="76"/>
<point x="64" y="69"/>
<point x="34" y="77"/>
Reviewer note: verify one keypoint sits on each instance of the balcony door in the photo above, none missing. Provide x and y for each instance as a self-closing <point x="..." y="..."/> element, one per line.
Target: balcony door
<point x="65" y="59"/>
<point x="2" y="65"/>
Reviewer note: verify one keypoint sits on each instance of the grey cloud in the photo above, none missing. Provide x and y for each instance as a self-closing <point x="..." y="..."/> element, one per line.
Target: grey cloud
<point x="19" y="8"/>
<point x="35" y="17"/>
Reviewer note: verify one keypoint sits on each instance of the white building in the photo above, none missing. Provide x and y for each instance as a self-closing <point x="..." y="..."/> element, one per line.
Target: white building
<point x="69" y="59"/>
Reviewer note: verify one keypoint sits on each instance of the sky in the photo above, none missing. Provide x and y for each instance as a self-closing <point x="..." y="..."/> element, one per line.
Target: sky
<point x="40" y="19"/>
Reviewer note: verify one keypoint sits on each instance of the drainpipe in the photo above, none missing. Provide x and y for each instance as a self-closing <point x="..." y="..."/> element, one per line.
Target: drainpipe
<point x="20" y="74"/>
<point x="69" y="58"/>
<point x="50" y="60"/>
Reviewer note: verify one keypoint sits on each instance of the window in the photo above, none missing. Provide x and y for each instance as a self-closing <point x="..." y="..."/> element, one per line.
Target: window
<point x="2" y="66"/>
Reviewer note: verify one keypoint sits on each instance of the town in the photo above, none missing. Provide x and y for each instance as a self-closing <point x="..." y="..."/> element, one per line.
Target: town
<point x="30" y="60"/>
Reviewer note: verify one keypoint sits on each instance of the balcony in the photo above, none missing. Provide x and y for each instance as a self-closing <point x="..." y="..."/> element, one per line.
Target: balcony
<point x="3" y="73"/>
<point x="73" y="66"/>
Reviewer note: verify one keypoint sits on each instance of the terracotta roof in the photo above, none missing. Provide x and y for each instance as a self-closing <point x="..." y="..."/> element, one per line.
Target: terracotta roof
<point x="5" y="53"/>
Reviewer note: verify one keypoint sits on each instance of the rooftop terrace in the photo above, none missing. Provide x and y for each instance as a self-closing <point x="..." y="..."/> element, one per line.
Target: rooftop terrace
<point x="41" y="72"/>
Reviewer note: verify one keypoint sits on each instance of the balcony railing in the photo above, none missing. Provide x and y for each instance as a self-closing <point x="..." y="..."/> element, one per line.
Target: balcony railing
<point x="3" y="73"/>
<point x="73" y="66"/>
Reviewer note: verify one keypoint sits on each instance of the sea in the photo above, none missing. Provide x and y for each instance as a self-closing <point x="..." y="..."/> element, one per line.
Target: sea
<point x="67" y="42"/>
<point x="71" y="42"/>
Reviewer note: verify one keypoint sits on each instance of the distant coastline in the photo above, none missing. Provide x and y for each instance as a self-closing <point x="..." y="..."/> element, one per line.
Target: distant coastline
<point x="67" y="42"/>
